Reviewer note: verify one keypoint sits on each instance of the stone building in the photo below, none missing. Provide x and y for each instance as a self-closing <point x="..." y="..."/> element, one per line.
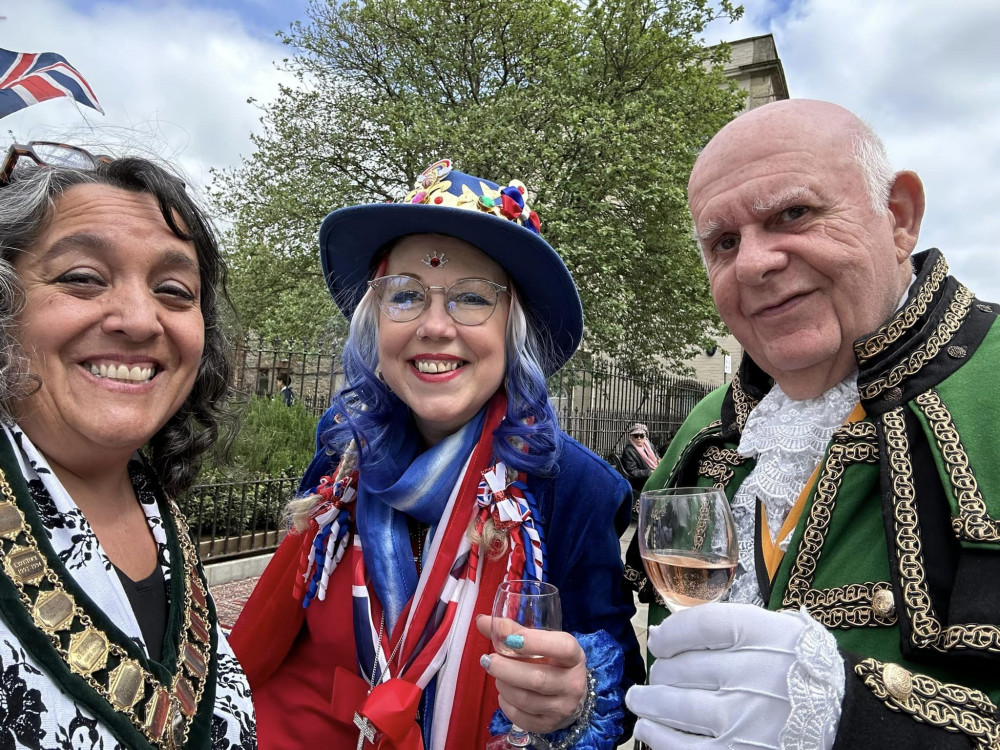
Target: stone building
<point x="755" y="66"/>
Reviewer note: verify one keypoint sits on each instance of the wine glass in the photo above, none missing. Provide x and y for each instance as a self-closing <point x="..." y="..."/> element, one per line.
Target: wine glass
<point x="687" y="540"/>
<point x="520" y="606"/>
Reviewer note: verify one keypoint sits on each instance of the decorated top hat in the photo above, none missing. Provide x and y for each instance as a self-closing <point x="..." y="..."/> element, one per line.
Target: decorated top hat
<point x="495" y="220"/>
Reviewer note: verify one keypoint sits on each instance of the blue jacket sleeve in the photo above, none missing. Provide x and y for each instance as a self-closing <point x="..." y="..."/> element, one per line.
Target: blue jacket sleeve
<point x="585" y="509"/>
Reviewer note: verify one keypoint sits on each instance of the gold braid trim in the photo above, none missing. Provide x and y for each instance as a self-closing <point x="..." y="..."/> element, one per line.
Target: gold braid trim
<point x="742" y="402"/>
<point x="716" y="463"/>
<point x="951" y="707"/>
<point x="852" y="605"/>
<point x="163" y="712"/>
<point x="974" y="522"/>
<point x="952" y="320"/>
<point x="906" y="318"/>
<point x="926" y="630"/>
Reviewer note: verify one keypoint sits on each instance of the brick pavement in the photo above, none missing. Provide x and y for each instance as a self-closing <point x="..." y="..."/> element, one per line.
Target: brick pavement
<point x="230" y="598"/>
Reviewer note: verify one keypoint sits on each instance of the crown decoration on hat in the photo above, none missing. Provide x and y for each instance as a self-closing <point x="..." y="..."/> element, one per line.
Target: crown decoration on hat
<point x="432" y="188"/>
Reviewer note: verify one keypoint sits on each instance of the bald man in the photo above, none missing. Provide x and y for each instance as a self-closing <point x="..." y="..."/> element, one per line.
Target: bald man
<point x="857" y="448"/>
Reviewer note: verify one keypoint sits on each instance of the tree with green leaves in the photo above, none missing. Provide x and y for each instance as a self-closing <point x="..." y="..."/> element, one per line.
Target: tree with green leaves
<point x="599" y="108"/>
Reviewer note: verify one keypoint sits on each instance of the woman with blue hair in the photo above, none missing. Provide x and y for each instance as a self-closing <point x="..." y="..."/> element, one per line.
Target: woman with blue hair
<point x="441" y="472"/>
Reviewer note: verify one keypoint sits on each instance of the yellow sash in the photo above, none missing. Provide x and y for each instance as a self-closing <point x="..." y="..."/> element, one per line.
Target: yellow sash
<point x="771" y="551"/>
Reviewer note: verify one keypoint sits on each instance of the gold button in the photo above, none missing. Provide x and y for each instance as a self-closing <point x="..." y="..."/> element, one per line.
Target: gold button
<point x="898" y="681"/>
<point x="883" y="604"/>
<point x="956" y="352"/>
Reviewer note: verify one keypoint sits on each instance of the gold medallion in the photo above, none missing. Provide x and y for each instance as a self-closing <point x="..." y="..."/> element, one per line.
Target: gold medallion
<point x="88" y="651"/>
<point x="199" y="627"/>
<point x="157" y="713"/>
<point x="194" y="661"/>
<point x="126" y="684"/>
<point x="24" y="565"/>
<point x="11" y="520"/>
<point x="197" y="592"/>
<point x="185" y="695"/>
<point x="54" y="610"/>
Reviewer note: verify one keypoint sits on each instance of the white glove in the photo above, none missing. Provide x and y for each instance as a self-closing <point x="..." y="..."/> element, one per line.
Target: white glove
<point x="736" y="676"/>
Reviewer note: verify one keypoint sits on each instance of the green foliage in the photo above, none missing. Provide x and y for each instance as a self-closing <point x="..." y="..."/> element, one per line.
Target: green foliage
<point x="274" y="441"/>
<point x="275" y="444"/>
<point x="599" y="107"/>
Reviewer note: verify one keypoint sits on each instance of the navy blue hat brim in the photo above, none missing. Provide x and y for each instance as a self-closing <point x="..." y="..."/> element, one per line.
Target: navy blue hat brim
<point x="349" y="239"/>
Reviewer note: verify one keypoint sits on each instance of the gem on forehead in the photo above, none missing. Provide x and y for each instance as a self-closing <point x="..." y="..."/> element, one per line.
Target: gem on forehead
<point x="435" y="259"/>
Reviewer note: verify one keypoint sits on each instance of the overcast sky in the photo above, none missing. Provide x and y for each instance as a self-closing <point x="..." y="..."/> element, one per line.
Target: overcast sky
<point x="924" y="73"/>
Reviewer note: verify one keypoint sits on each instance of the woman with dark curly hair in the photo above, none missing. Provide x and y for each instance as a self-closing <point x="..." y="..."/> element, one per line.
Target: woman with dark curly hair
<point x="113" y="374"/>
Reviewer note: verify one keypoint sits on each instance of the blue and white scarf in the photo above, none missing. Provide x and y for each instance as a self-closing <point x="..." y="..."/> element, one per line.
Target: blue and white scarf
<point x="406" y="482"/>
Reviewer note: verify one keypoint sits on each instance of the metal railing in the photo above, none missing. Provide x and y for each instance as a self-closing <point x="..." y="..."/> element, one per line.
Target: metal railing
<point x="595" y="404"/>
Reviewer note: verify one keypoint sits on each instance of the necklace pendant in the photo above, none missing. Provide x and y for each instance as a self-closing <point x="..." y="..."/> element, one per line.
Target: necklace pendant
<point x="366" y="730"/>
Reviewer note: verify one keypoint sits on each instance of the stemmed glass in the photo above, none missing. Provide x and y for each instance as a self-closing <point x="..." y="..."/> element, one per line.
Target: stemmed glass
<point x="520" y="606"/>
<point x="687" y="540"/>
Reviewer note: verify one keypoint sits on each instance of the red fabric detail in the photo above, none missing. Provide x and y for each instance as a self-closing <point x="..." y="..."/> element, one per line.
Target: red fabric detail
<point x="457" y="524"/>
<point x="510" y="208"/>
<point x="476" y="696"/>
<point x="272" y="617"/>
<point x="392" y="708"/>
<point x="22" y="66"/>
<point x="39" y="88"/>
<point x="299" y="584"/>
<point x="294" y="706"/>
<point x="516" y="564"/>
<point x="535" y="221"/>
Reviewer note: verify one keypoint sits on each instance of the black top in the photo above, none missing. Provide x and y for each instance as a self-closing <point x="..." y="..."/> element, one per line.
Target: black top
<point x="148" y="598"/>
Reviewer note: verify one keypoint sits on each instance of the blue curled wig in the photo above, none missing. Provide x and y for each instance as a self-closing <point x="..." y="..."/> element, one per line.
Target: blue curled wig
<point x="367" y="406"/>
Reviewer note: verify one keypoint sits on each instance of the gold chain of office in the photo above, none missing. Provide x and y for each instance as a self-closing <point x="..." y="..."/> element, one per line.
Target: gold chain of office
<point x="151" y="706"/>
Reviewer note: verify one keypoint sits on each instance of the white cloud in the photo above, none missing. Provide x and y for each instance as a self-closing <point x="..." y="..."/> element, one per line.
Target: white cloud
<point x="925" y="74"/>
<point x="173" y="79"/>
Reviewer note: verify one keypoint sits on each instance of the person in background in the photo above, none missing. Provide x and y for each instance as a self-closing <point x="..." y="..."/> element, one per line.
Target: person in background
<point x="638" y="457"/>
<point x="285" y="392"/>
<point x="113" y="379"/>
<point x="440" y="472"/>
<point x="857" y="447"/>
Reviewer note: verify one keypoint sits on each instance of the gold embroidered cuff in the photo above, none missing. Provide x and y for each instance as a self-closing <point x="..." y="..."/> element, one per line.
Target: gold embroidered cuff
<point x="950" y="707"/>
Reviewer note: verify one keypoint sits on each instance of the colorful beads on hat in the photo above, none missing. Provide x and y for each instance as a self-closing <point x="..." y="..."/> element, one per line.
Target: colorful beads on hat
<point x="431" y="187"/>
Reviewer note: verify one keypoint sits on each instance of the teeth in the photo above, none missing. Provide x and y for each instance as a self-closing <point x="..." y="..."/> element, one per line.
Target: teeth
<point x="122" y="372"/>
<point x="432" y="367"/>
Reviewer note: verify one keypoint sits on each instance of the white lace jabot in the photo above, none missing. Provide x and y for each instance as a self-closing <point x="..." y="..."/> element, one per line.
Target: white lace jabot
<point x="788" y="438"/>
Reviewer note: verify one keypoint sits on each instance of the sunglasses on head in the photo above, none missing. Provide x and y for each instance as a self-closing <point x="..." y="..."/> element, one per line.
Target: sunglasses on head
<point x="49" y="154"/>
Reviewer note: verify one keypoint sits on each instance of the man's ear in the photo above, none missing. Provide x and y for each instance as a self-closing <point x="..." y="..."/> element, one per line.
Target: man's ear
<point x="906" y="205"/>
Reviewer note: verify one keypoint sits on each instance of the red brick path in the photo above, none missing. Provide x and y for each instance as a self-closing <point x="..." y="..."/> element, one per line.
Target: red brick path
<point x="230" y="598"/>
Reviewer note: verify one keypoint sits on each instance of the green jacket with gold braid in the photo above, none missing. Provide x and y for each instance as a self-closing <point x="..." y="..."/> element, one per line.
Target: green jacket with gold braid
<point x="897" y="551"/>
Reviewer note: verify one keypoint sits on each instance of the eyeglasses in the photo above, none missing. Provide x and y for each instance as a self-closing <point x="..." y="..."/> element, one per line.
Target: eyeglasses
<point x="49" y="154"/>
<point x="469" y="302"/>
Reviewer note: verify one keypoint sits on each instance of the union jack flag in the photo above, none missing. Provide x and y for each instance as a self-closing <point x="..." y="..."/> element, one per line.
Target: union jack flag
<point x="27" y="78"/>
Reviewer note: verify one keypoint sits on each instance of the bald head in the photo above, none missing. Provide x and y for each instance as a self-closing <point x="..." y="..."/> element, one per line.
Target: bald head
<point x="806" y="235"/>
<point x="787" y="121"/>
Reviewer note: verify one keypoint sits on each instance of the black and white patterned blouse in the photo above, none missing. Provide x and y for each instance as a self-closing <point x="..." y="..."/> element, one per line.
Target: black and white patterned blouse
<point x="34" y="711"/>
